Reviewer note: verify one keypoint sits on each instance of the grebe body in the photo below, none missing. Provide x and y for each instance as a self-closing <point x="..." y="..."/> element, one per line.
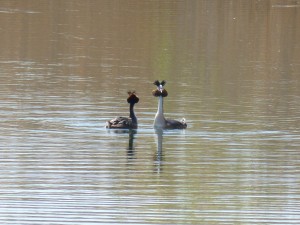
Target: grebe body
<point x="130" y="122"/>
<point x="160" y="122"/>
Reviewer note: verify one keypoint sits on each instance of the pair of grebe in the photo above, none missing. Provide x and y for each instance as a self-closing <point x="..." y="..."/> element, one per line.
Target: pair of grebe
<point x="160" y="122"/>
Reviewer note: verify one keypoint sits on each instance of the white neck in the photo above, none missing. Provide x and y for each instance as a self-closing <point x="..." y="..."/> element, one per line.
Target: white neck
<point x="159" y="120"/>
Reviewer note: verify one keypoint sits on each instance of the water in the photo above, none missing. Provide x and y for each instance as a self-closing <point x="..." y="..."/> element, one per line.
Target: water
<point x="232" y="70"/>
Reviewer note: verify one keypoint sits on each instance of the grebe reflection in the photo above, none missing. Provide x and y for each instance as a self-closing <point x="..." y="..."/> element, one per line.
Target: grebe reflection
<point x="158" y="158"/>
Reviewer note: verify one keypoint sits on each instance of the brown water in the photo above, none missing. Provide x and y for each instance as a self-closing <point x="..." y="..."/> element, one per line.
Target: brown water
<point x="232" y="70"/>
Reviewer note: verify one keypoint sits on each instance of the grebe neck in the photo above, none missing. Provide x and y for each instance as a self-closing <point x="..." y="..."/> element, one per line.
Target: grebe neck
<point x="132" y="114"/>
<point x="160" y="121"/>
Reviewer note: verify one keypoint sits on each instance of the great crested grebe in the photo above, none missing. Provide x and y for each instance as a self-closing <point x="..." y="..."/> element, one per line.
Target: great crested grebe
<point x="159" y="121"/>
<point x="126" y="122"/>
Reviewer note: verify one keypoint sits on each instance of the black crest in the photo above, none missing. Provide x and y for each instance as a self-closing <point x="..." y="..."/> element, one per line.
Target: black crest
<point x="157" y="83"/>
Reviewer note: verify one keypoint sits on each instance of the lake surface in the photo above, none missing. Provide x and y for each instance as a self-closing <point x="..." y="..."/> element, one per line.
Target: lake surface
<point x="232" y="70"/>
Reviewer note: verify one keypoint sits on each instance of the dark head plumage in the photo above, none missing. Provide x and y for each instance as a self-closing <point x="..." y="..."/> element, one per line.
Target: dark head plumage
<point x="157" y="83"/>
<point x="132" y="99"/>
<point x="160" y="91"/>
<point x="157" y="93"/>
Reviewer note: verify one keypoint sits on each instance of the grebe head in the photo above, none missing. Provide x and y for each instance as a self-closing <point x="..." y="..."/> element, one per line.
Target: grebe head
<point x="132" y="99"/>
<point x="160" y="91"/>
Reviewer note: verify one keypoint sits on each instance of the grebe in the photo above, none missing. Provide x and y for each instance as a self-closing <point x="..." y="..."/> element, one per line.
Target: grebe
<point x="159" y="121"/>
<point x="126" y="122"/>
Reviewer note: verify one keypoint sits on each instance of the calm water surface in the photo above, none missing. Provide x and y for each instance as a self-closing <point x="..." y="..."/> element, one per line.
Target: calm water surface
<point x="232" y="70"/>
